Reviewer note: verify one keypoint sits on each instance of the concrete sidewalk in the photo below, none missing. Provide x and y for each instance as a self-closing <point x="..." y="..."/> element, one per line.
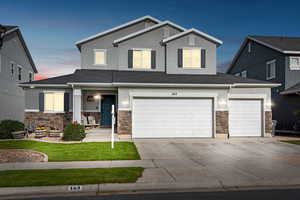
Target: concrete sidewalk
<point x="77" y="164"/>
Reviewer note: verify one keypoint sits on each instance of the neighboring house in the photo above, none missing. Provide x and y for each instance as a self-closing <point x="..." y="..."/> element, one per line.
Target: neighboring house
<point x="162" y="79"/>
<point x="16" y="66"/>
<point x="277" y="60"/>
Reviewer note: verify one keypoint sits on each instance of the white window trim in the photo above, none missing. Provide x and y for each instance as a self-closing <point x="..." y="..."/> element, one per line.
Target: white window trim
<point x="249" y="47"/>
<point x="268" y="63"/>
<point x="244" y="72"/>
<point x="105" y="57"/>
<point x="52" y="91"/>
<point x="237" y="74"/>
<point x="141" y="49"/>
<point x="293" y="67"/>
<point x="191" y="48"/>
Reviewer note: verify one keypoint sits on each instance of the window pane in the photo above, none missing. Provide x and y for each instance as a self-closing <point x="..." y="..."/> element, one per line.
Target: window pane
<point x="99" y="57"/>
<point x="146" y="59"/>
<point x="191" y="58"/>
<point x="141" y="59"/>
<point x="48" y="102"/>
<point x="58" y="102"/>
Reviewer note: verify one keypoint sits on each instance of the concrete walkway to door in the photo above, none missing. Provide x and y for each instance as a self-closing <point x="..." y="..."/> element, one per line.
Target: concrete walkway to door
<point x="101" y="135"/>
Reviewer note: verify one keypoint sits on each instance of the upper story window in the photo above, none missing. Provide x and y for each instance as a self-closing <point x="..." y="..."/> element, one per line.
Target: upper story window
<point x="30" y="76"/>
<point x="271" y="69"/>
<point x="19" y="73"/>
<point x="244" y="74"/>
<point x="191" y="58"/>
<point x="99" y="56"/>
<point x="54" y="101"/>
<point x="295" y="63"/>
<point x="12" y="69"/>
<point x="141" y="58"/>
<point x="249" y="47"/>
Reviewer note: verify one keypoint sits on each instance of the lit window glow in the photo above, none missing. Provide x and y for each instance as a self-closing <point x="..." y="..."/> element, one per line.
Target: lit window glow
<point x="141" y="59"/>
<point x="191" y="58"/>
<point x="54" y="102"/>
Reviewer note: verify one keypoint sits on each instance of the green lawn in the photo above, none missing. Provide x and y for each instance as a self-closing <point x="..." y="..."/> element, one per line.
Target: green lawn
<point x="292" y="141"/>
<point x="77" y="151"/>
<point x="19" y="178"/>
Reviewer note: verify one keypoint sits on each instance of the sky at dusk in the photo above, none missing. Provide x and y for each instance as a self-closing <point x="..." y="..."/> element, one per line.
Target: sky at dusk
<point x="51" y="28"/>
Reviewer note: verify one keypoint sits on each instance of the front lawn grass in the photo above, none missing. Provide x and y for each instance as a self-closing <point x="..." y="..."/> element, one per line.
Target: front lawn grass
<point x="292" y="141"/>
<point x="19" y="178"/>
<point x="88" y="151"/>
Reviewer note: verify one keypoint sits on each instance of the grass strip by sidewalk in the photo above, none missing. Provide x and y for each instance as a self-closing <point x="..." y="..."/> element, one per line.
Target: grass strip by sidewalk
<point x="292" y="141"/>
<point x="85" y="151"/>
<point x="20" y="178"/>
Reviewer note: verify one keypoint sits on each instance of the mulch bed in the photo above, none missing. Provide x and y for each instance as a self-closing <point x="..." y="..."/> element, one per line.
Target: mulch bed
<point x="18" y="155"/>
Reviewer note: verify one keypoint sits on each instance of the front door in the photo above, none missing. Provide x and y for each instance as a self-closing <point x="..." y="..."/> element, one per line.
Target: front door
<point x="106" y="103"/>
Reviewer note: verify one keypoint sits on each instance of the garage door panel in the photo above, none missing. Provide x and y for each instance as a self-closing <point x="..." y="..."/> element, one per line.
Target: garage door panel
<point x="161" y="118"/>
<point x="245" y="118"/>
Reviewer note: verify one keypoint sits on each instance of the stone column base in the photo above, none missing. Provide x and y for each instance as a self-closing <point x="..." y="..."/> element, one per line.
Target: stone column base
<point x="222" y="124"/>
<point x="268" y="123"/>
<point x="124" y="122"/>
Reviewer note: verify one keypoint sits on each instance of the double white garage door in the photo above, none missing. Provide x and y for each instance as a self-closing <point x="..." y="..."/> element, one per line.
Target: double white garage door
<point x="191" y="118"/>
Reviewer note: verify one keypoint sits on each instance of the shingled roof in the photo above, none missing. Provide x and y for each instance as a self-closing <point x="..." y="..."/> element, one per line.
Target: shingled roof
<point x="114" y="76"/>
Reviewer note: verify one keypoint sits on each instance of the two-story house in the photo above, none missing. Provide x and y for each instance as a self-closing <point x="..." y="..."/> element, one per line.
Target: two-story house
<point x="274" y="59"/>
<point x="16" y="66"/>
<point x="163" y="81"/>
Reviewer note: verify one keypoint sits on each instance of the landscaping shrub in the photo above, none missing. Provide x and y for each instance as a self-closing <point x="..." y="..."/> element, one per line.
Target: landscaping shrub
<point x="9" y="126"/>
<point x="74" y="132"/>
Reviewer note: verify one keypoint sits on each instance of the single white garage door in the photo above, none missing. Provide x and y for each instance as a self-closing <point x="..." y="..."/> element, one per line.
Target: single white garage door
<point x="171" y="118"/>
<point x="245" y="118"/>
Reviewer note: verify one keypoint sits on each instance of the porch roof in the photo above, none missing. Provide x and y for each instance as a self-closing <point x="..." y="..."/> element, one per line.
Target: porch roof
<point x="145" y="77"/>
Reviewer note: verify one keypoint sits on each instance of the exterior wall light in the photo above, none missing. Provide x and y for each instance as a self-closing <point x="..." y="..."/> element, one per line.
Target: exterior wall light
<point x="125" y="103"/>
<point x="97" y="96"/>
<point x="222" y="102"/>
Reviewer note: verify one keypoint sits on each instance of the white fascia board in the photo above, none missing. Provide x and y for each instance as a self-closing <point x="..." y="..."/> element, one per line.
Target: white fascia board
<point x="271" y="85"/>
<point x="195" y="31"/>
<point x="91" y="84"/>
<point x="291" y="52"/>
<point x="43" y="85"/>
<point x="117" y="28"/>
<point x="171" y="85"/>
<point x="147" y="30"/>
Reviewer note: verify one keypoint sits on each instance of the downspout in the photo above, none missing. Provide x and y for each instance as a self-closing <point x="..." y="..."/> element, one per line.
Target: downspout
<point x="230" y="86"/>
<point x="165" y="46"/>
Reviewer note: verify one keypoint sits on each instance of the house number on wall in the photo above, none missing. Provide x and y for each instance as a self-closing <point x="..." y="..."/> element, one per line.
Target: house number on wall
<point x="174" y="93"/>
<point x="75" y="188"/>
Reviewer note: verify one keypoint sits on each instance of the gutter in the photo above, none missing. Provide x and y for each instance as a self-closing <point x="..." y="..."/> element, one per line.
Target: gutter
<point x="43" y="85"/>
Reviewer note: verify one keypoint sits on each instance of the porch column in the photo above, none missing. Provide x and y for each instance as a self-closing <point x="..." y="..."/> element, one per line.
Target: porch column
<point x="77" y="105"/>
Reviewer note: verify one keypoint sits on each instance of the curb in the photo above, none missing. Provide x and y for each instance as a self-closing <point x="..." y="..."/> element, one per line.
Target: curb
<point x="98" y="189"/>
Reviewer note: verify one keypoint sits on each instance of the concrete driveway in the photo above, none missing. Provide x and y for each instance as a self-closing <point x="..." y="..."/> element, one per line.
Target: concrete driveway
<point x="207" y="163"/>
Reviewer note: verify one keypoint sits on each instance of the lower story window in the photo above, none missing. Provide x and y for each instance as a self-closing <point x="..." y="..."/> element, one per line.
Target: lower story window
<point x="54" y="102"/>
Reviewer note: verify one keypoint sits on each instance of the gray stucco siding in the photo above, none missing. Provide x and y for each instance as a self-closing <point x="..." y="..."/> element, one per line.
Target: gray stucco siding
<point x="182" y="42"/>
<point x="32" y="97"/>
<point x="106" y="42"/>
<point x="150" y="40"/>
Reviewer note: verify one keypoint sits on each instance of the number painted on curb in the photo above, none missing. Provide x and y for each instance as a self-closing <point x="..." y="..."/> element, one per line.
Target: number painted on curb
<point x="75" y="188"/>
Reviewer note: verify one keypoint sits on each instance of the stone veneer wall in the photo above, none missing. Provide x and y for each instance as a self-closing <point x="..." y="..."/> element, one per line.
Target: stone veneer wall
<point x="268" y="123"/>
<point x="124" y="122"/>
<point x="51" y="120"/>
<point x="222" y="122"/>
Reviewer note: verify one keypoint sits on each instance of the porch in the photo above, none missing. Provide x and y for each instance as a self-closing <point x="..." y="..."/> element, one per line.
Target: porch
<point x="92" y="107"/>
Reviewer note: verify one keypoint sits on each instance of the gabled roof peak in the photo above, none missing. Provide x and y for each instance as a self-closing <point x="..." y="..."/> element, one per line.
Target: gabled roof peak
<point x="78" y="43"/>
